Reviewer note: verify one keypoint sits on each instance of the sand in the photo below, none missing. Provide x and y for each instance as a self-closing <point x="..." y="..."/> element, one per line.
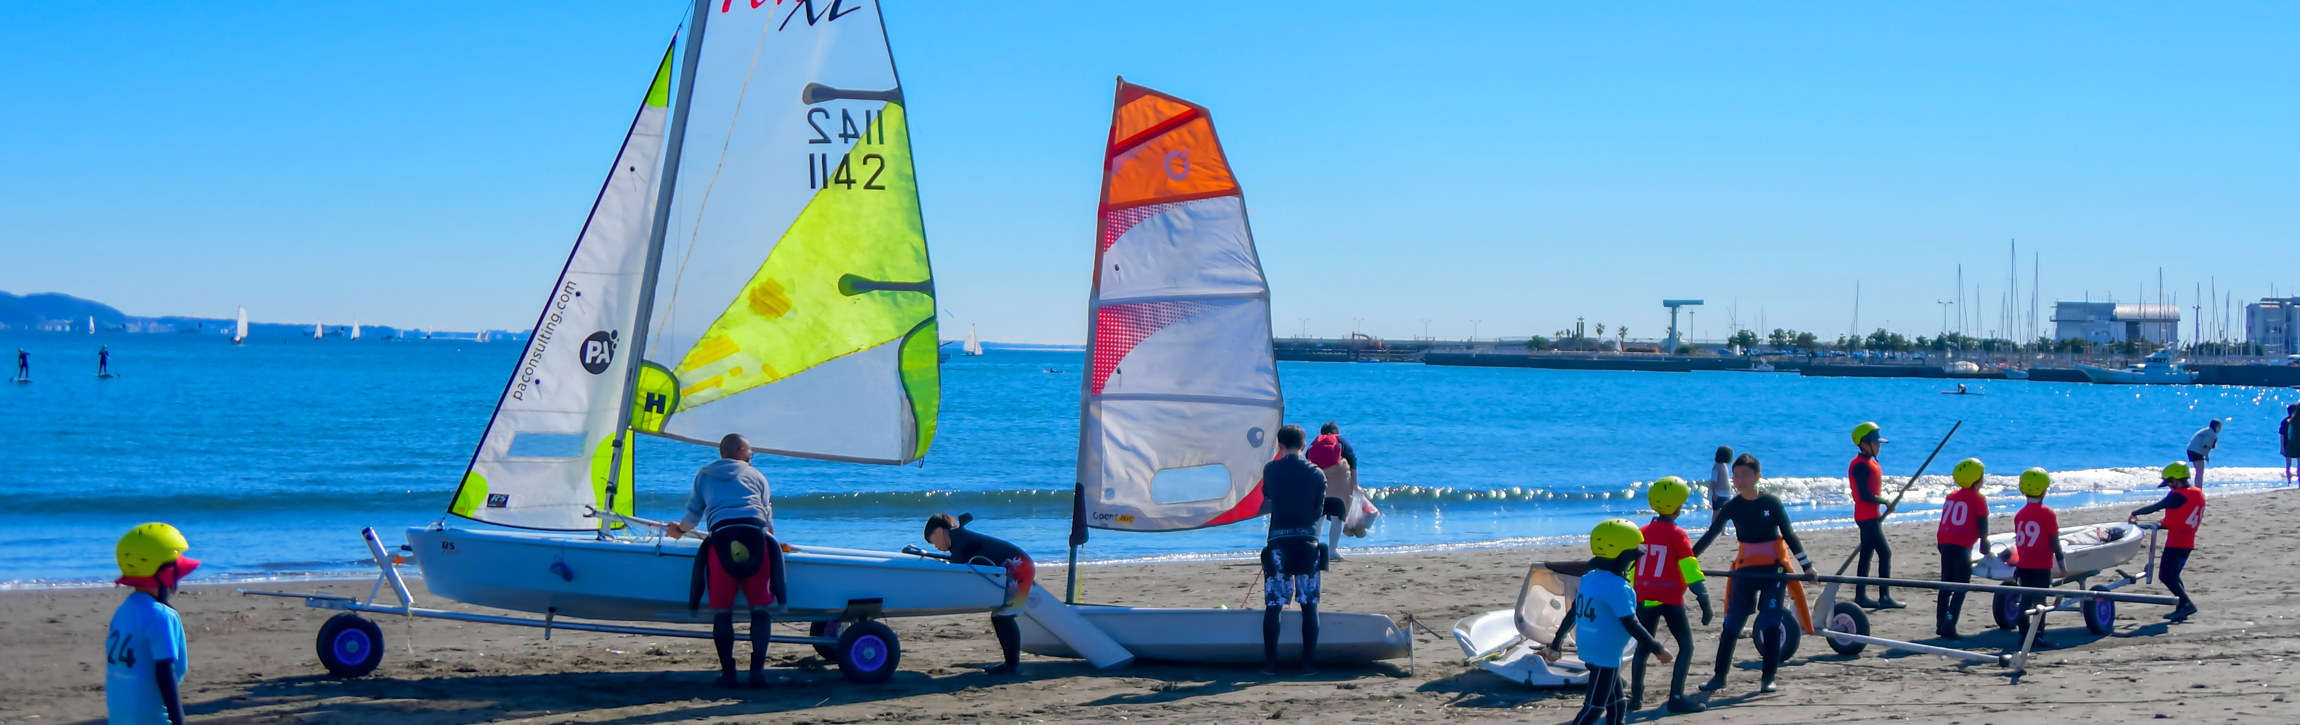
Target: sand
<point x="253" y="657"/>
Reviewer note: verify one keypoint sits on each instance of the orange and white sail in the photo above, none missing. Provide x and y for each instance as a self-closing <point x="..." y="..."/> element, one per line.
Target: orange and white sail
<point x="1180" y="405"/>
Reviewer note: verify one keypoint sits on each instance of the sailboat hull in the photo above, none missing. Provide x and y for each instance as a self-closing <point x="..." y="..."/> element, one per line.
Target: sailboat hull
<point x="647" y="580"/>
<point x="1227" y="635"/>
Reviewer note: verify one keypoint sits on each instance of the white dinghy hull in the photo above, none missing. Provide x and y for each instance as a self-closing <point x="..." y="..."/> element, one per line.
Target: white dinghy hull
<point x="1492" y="641"/>
<point x="2090" y="548"/>
<point x="1227" y="635"/>
<point x="647" y="579"/>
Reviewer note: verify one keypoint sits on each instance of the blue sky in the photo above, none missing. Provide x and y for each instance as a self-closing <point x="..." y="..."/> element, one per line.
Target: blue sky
<point x="1518" y="164"/>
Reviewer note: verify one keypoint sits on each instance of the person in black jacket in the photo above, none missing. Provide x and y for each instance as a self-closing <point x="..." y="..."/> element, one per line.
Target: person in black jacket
<point x="967" y="547"/>
<point x="1296" y="492"/>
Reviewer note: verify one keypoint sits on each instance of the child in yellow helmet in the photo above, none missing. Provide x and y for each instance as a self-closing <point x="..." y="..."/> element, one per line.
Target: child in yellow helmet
<point x="2036" y="544"/>
<point x="144" y="653"/>
<point x="1605" y="610"/>
<point x="2183" y="510"/>
<point x="1964" y="523"/>
<point x="1664" y="573"/>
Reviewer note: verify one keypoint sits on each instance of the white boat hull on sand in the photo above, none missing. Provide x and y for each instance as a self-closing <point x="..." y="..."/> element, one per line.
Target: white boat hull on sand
<point x="647" y="579"/>
<point x="1227" y="635"/>
<point x="2094" y="547"/>
<point x="1518" y="659"/>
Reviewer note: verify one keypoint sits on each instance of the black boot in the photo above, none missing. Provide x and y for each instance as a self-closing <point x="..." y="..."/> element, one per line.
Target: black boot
<point x="723" y="639"/>
<point x="1885" y="600"/>
<point x="1861" y="597"/>
<point x="1009" y="646"/>
<point x="760" y="629"/>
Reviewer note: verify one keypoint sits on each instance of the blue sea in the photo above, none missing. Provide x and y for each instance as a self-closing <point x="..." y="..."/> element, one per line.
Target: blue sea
<point x="273" y="455"/>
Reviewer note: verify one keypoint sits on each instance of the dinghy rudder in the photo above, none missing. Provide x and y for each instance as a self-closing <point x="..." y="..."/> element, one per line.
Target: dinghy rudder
<point x="1082" y="636"/>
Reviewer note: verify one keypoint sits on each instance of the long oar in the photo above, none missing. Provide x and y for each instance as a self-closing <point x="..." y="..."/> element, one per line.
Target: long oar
<point x="1905" y="487"/>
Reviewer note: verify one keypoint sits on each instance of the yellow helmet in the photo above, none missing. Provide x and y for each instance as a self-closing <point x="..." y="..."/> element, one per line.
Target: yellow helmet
<point x="1865" y="431"/>
<point x="148" y="548"/>
<point x="1668" y="495"/>
<point x="1968" y="472"/>
<point x="1613" y="536"/>
<point x="2176" y="470"/>
<point x="2034" y="481"/>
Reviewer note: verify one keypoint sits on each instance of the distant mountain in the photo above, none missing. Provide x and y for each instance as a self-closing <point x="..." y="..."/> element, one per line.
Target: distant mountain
<point x="31" y="310"/>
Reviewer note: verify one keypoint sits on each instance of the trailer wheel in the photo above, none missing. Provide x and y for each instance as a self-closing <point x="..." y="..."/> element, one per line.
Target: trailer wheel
<point x="2004" y="608"/>
<point x="829" y="652"/>
<point x="1848" y="618"/>
<point x="2100" y="614"/>
<point x="868" y="652"/>
<point x="1796" y="637"/>
<point x="350" y="646"/>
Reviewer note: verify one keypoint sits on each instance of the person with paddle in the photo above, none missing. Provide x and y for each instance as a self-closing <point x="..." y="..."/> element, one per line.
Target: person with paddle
<point x="23" y="364"/>
<point x="1870" y="508"/>
<point x="1761" y="526"/>
<point x="732" y="496"/>
<point x="2183" y="514"/>
<point x="1964" y="523"/>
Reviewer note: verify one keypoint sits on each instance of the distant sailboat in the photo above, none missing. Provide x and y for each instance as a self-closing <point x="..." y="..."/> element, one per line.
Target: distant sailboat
<point x="973" y="346"/>
<point x="91" y="324"/>
<point x="355" y="329"/>
<point x="318" y="331"/>
<point x="240" y="331"/>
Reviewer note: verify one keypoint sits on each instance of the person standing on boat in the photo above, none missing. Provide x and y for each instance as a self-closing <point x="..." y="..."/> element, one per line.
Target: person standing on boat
<point x="103" y="360"/>
<point x="732" y="497"/>
<point x="2183" y="514"/>
<point x="144" y="653"/>
<point x="1870" y="508"/>
<point x="1664" y="572"/>
<point x="967" y="547"/>
<point x="2037" y="551"/>
<point x="1339" y="464"/>
<point x="1761" y="526"/>
<point x="1964" y="523"/>
<point x="1604" y="609"/>
<point x="1292" y="557"/>
<point x="2200" y="448"/>
<point x="1720" y="481"/>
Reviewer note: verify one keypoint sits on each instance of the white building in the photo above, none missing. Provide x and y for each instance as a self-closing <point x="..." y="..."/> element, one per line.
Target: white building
<point x="2109" y="322"/>
<point x="2271" y="322"/>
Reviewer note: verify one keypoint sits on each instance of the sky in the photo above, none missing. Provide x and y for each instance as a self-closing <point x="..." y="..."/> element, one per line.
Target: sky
<point x="1410" y="168"/>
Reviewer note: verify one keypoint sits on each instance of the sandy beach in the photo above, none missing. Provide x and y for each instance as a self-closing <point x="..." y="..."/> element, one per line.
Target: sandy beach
<point x="253" y="661"/>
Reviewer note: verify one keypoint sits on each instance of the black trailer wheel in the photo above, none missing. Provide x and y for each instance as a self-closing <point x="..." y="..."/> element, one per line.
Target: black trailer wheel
<point x="868" y="652"/>
<point x="350" y="646"/>
<point x="2005" y="609"/>
<point x="1796" y="637"/>
<point x="828" y="652"/>
<point x="1848" y="618"/>
<point x="2100" y="614"/>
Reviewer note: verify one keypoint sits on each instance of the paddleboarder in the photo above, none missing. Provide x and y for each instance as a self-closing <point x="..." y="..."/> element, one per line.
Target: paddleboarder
<point x="1333" y="457"/>
<point x="1761" y="526"/>
<point x="2183" y="514"/>
<point x="1605" y="611"/>
<point x="733" y="496"/>
<point x="104" y="361"/>
<point x="967" y="547"/>
<point x="144" y="653"/>
<point x="1664" y="573"/>
<point x="2036" y="546"/>
<point x="1964" y="522"/>
<point x="2200" y="448"/>
<point x="1292" y="557"/>
<point x="23" y="364"/>
<point x="1867" y="479"/>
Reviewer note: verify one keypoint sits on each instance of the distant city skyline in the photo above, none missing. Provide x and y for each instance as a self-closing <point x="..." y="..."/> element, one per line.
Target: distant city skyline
<point x="1500" y="168"/>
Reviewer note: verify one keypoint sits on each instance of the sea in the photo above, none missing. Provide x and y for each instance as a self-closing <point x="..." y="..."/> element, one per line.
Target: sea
<point x="273" y="455"/>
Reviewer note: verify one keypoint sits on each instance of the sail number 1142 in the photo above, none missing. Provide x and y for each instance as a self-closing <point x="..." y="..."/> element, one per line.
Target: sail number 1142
<point x="850" y="171"/>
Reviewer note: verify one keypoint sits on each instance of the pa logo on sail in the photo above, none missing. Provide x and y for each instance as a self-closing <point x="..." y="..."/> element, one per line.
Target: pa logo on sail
<point x="598" y="351"/>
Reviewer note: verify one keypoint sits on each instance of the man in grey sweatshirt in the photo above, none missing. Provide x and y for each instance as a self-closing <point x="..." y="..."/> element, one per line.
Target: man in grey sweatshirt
<point x="732" y="497"/>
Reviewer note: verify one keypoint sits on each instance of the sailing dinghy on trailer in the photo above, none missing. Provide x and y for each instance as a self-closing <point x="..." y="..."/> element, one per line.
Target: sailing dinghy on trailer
<point x="671" y="318"/>
<point x="1180" y="406"/>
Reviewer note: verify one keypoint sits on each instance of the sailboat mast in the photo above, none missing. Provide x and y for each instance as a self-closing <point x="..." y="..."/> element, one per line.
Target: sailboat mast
<point x="672" y="142"/>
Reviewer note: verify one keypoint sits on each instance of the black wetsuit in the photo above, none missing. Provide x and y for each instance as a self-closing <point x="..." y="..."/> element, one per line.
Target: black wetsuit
<point x="1755" y="521"/>
<point x="1295" y="491"/>
<point x="968" y="547"/>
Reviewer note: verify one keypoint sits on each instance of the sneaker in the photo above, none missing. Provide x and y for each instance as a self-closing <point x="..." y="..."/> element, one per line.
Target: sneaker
<point x="1681" y="705"/>
<point x="1886" y="602"/>
<point x="1766" y="686"/>
<point x="1947" y="633"/>
<point x="758" y="679"/>
<point x="1864" y="602"/>
<point x="727" y="681"/>
<point x="2182" y="613"/>
<point x="1310" y="670"/>
<point x="1270" y="669"/>
<point x="1714" y="684"/>
<point x="1636" y="700"/>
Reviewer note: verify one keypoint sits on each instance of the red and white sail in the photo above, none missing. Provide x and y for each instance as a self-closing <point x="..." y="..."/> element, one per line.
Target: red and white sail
<point x="1180" y="405"/>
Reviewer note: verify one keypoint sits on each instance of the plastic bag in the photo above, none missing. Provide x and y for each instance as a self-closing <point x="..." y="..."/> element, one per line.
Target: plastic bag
<point x="1361" y="517"/>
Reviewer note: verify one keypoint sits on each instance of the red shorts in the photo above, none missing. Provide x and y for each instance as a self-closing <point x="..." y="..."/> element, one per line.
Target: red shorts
<point x="1020" y="575"/>
<point x="722" y="587"/>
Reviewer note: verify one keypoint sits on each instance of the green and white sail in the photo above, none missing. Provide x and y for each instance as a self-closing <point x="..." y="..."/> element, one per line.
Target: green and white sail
<point x="794" y="303"/>
<point x="543" y="462"/>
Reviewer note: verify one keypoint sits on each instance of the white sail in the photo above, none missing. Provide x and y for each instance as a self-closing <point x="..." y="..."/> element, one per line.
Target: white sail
<point x="973" y="344"/>
<point x="91" y="324"/>
<point x="1181" y="404"/>
<point x="318" y="331"/>
<point x="544" y="457"/>
<point x="240" y="331"/>
<point x="794" y="301"/>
